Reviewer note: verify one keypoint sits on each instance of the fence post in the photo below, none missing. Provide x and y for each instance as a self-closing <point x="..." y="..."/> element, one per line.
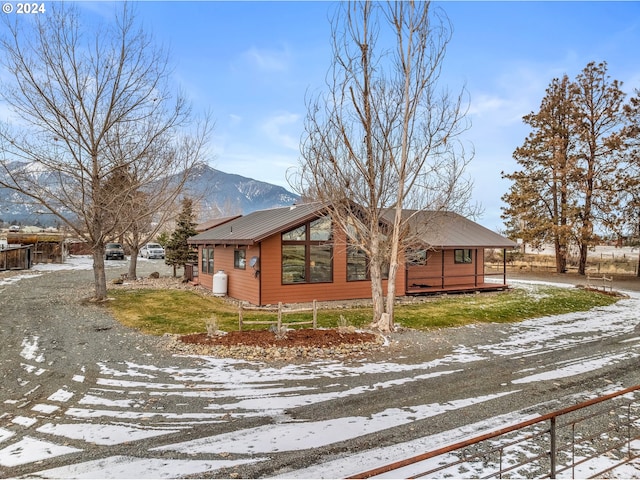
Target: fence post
<point x="279" y="317"/>
<point x="315" y="314"/>
<point x="240" y="316"/>
<point x="552" y="453"/>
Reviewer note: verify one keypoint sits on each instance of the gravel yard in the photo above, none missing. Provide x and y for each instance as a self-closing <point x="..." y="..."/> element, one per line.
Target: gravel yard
<point x="84" y="396"/>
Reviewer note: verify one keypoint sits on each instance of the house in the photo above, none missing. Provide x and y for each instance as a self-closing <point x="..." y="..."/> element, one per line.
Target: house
<point x="294" y="254"/>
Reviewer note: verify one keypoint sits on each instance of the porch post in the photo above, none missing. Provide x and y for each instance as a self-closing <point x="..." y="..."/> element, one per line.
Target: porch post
<point x="475" y="277"/>
<point x="504" y="266"/>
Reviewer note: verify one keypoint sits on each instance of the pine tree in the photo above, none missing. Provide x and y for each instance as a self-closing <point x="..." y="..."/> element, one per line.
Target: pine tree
<point x="177" y="251"/>
<point x="540" y="204"/>
<point x="569" y="186"/>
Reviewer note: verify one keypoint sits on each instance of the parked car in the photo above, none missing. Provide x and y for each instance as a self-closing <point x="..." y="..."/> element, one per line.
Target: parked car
<point x="114" y="251"/>
<point x="152" y="250"/>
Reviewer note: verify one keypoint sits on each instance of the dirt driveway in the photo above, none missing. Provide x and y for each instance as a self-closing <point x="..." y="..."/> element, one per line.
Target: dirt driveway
<point x="84" y="397"/>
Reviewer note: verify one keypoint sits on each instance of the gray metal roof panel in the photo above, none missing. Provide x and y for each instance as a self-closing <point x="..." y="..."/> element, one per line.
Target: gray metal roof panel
<point x="449" y="229"/>
<point x="258" y="225"/>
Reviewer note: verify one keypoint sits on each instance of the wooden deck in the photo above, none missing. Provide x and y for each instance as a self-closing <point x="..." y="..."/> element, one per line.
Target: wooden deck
<point x="432" y="290"/>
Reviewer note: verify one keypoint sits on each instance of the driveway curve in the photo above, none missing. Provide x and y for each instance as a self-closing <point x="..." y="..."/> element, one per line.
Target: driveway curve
<point x="85" y="397"/>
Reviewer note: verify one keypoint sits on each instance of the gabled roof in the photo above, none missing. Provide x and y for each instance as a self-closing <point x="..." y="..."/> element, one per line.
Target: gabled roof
<point x="256" y="226"/>
<point x="451" y="230"/>
<point x="435" y="229"/>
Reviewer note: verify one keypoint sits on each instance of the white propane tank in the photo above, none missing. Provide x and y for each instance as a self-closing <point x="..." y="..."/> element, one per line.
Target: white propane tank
<point x="220" y="284"/>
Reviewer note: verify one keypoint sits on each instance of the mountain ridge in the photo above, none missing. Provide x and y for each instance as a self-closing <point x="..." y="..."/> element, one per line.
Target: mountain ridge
<point x="217" y="193"/>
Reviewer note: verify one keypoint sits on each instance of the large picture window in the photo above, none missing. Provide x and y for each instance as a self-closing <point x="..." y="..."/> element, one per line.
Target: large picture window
<point x="307" y="253"/>
<point x="462" y="255"/>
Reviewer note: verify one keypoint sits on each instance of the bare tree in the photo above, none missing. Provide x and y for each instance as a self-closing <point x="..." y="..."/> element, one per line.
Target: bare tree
<point x="96" y="119"/>
<point x="383" y="139"/>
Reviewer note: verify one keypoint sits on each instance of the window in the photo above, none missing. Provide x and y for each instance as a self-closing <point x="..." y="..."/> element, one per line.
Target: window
<point x="307" y="253"/>
<point x="207" y="260"/>
<point x="240" y="259"/>
<point x="416" y="257"/>
<point x="293" y="264"/>
<point x="320" y="263"/>
<point x="358" y="265"/>
<point x="462" y="255"/>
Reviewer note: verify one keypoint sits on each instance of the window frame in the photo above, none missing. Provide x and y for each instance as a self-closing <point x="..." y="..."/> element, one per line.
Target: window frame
<point x="464" y="259"/>
<point x="207" y="264"/>
<point x="240" y="261"/>
<point x="308" y="253"/>
<point x="360" y="254"/>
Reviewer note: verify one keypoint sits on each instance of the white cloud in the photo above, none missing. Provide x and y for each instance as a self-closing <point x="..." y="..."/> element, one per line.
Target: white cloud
<point x="275" y="127"/>
<point x="235" y="119"/>
<point x="268" y="60"/>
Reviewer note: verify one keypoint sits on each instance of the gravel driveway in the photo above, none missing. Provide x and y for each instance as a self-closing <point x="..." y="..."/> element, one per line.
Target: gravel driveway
<point x="86" y="397"/>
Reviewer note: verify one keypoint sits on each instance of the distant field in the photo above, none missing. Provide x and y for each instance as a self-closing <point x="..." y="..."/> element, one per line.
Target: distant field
<point x="602" y="259"/>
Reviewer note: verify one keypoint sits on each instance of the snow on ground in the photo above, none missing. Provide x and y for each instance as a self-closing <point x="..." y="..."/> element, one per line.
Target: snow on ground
<point x="139" y="468"/>
<point x="111" y="410"/>
<point x="16" y="278"/>
<point x="305" y="435"/>
<point x="72" y="262"/>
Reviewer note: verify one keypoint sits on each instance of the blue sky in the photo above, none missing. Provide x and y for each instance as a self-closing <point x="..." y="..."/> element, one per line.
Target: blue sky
<point x="252" y="63"/>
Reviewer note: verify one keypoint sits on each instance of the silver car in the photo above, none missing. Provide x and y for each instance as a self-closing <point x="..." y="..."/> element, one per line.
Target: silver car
<point x="152" y="250"/>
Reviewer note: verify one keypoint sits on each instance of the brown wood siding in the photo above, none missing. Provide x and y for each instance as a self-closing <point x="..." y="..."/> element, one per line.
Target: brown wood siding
<point x="273" y="291"/>
<point x="455" y="274"/>
<point x="241" y="284"/>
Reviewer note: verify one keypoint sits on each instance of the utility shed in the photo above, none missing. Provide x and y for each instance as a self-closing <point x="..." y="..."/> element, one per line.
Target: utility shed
<point x="45" y="247"/>
<point x="15" y="258"/>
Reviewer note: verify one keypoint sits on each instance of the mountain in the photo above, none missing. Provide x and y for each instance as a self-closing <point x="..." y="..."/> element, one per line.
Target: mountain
<point x="220" y="193"/>
<point x="217" y="193"/>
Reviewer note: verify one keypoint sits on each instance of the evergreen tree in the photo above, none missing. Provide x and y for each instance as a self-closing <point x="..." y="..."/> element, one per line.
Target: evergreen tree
<point x="177" y="251"/>
<point x="540" y="204"/>
<point x="569" y="186"/>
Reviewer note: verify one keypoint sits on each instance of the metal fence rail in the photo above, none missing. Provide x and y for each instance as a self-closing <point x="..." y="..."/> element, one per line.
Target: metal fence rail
<point x="586" y="440"/>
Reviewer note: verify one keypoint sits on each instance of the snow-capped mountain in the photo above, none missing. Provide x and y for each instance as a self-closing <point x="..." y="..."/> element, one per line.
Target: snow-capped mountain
<point x="216" y="193"/>
<point x="219" y="193"/>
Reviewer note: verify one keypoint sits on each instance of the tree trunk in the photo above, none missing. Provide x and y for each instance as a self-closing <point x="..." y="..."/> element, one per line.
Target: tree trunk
<point x="582" y="264"/>
<point x="561" y="256"/>
<point x="375" y="274"/>
<point x="133" y="264"/>
<point x="386" y="322"/>
<point x="100" y="278"/>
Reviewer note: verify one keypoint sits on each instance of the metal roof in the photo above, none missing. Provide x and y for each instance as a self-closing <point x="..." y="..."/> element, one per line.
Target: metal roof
<point x="451" y="230"/>
<point x="258" y="225"/>
<point x="436" y="229"/>
<point x="204" y="226"/>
